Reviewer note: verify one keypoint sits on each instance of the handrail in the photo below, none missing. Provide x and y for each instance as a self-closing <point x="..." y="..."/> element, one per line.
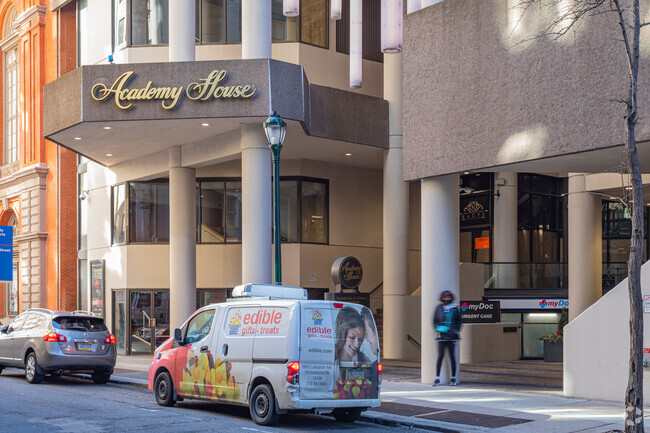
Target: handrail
<point x="413" y="340"/>
<point x="376" y="288"/>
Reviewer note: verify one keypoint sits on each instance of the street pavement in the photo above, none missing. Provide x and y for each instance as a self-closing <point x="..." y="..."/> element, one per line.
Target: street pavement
<point x="464" y="408"/>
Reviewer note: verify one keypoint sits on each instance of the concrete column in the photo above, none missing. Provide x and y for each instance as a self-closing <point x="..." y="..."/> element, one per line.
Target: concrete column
<point x="504" y="245"/>
<point x="585" y="246"/>
<point x="182" y="239"/>
<point x="256" y="205"/>
<point x="396" y="218"/>
<point x="256" y="29"/>
<point x="440" y="262"/>
<point x="182" y="31"/>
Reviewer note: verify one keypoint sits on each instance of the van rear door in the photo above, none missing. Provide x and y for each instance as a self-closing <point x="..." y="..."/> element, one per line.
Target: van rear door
<point x="339" y="352"/>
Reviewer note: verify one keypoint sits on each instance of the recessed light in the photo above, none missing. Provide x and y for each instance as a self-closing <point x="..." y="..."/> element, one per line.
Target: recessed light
<point x="109" y="154"/>
<point x="466" y="172"/>
<point x="205" y="124"/>
<point x="107" y="127"/>
<point x="77" y="138"/>
<point x="348" y="154"/>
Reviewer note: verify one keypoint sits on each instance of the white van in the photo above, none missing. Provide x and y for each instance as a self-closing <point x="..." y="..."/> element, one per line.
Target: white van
<point x="276" y="351"/>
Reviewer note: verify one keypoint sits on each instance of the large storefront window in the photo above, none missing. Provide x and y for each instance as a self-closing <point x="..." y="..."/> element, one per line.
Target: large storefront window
<point x="148" y="212"/>
<point x="219" y="212"/>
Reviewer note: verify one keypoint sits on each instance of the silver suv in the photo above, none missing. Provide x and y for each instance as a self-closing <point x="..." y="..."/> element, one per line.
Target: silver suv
<point x="48" y="342"/>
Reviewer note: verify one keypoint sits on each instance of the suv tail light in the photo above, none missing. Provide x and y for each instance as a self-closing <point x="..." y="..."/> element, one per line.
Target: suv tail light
<point x="110" y="339"/>
<point x="292" y="372"/>
<point x="54" y="337"/>
<point x="379" y="369"/>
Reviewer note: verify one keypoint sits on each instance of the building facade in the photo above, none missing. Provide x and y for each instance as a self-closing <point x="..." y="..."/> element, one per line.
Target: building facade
<point x="37" y="177"/>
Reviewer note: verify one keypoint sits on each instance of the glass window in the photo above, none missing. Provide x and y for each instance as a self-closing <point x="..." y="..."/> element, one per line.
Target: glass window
<point x="289" y="214"/>
<point x="12" y="295"/>
<point x="233" y="21"/>
<point x="233" y="211"/>
<point x="211" y="20"/>
<point x="17" y="323"/>
<point x="282" y="28"/>
<point x="119" y="214"/>
<point x="371" y="37"/>
<point x="119" y="22"/>
<point x="212" y="227"/>
<point x="85" y="324"/>
<point x="314" y="212"/>
<point x="199" y="326"/>
<point x="84" y="302"/>
<point x="207" y="297"/>
<point x="149" y="22"/>
<point x="11" y="106"/>
<point x="31" y="322"/>
<point x="148" y="212"/>
<point x="314" y="22"/>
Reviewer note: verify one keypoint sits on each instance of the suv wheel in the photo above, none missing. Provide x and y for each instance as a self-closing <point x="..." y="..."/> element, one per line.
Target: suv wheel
<point x="31" y="369"/>
<point x="348" y="414"/>
<point x="164" y="389"/>
<point x="262" y="405"/>
<point x="101" y="377"/>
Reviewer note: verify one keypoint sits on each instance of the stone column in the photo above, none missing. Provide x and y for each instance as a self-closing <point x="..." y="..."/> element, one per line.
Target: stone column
<point x="504" y="245"/>
<point x="585" y="246"/>
<point x="182" y="239"/>
<point x="396" y="217"/>
<point x="256" y="29"/>
<point x="182" y="31"/>
<point x="256" y="205"/>
<point x="440" y="262"/>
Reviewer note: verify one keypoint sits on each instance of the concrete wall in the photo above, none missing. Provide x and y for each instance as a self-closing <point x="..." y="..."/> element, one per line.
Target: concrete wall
<point x="484" y="342"/>
<point x="596" y="346"/>
<point x="468" y="87"/>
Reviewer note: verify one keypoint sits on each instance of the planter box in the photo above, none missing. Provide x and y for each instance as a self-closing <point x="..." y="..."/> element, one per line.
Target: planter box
<point x="553" y="351"/>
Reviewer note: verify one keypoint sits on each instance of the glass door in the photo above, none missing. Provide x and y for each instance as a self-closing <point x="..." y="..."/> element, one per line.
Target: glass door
<point x="161" y="317"/>
<point x="119" y="320"/>
<point x="141" y="323"/>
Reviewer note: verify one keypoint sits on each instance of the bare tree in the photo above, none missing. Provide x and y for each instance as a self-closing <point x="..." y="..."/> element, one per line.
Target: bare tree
<point x="567" y="13"/>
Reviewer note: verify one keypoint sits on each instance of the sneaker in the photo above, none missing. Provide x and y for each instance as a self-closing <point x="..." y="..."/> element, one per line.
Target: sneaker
<point x="436" y="382"/>
<point x="453" y="382"/>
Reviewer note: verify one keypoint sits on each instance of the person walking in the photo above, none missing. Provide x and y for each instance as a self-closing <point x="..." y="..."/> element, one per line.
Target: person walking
<point x="447" y="322"/>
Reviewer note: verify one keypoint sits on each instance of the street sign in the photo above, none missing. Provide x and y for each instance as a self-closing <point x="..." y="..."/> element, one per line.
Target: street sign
<point x="6" y="253"/>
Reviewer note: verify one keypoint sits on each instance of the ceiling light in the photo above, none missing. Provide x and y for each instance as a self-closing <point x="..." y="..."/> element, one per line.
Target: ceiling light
<point x="109" y="154"/>
<point x="77" y="138"/>
<point x="205" y="124"/>
<point x="348" y="154"/>
<point x="107" y="127"/>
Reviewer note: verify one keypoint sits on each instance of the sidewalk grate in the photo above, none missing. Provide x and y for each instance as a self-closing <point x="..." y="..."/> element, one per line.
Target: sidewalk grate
<point x="474" y="419"/>
<point x="405" y="409"/>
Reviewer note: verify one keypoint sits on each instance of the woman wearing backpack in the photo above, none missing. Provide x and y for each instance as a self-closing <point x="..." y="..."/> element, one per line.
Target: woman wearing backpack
<point x="447" y="321"/>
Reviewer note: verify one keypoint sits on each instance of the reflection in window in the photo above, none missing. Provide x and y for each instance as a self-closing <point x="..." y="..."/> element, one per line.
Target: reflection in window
<point x="314" y="22"/>
<point x="233" y="211"/>
<point x="11" y="106"/>
<point x="314" y="212"/>
<point x="119" y="214"/>
<point x="199" y="326"/>
<point x="282" y="28"/>
<point x="148" y="212"/>
<point x="212" y="212"/>
<point x="149" y="22"/>
<point x="289" y="212"/>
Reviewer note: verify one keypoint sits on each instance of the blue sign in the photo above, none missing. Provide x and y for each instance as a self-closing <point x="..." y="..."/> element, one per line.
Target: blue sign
<point x="6" y="253"/>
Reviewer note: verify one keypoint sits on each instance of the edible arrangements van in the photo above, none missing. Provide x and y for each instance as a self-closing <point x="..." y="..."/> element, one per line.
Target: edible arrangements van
<point x="272" y="349"/>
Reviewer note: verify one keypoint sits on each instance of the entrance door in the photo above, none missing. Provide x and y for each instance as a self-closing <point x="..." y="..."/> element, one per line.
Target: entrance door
<point x="149" y="313"/>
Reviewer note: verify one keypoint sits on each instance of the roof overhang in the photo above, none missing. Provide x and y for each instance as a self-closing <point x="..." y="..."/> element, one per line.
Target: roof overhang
<point x="130" y="111"/>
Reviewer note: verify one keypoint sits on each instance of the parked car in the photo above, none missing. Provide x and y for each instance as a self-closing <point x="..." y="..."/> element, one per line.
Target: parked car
<point x="274" y="351"/>
<point x="46" y="342"/>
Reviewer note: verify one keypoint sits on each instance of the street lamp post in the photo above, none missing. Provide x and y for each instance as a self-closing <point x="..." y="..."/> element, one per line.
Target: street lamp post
<point x="275" y="129"/>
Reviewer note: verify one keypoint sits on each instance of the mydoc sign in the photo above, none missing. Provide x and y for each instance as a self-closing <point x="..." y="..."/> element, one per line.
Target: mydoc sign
<point x="205" y="89"/>
<point x="480" y="311"/>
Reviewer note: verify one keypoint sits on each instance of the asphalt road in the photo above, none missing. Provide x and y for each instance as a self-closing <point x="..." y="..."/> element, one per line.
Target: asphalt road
<point x="68" y="404"/>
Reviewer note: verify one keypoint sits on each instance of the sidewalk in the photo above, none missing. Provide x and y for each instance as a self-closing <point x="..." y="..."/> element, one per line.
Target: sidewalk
<point x="465" y="408"/>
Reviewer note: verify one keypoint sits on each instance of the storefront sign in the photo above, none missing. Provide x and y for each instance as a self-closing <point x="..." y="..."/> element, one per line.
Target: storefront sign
<point x="480" y="311"/>
<point x="482" y="243"/>
<point x="646" y="304"/>
<point x="205" y="89"/>
<point x="475" y="210"/>
<point x="6" y="253"/>
<point x="97" y="287"/>
<point x="533" y="304"/>
<point x="347" y="272"/>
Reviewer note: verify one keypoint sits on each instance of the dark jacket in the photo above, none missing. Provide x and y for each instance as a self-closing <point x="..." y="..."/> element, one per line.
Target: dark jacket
<point x="440" y="318"/>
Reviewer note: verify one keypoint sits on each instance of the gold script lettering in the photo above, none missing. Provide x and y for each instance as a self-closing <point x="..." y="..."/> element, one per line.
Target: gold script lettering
<point x="210" y="87"/>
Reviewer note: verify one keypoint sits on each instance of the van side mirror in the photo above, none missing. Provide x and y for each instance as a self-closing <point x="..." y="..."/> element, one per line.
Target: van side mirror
<point x="178" y="336"/>
<point x="4" y="329"/>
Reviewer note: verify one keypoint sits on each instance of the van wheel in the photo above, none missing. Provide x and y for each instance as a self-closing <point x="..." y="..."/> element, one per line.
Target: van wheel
<point x="164" y="389"/>
<point x="262" y="405"/>
<point x="101" y="377"/>
<point x="31" y="370"/>
<point x="347" y="414"/>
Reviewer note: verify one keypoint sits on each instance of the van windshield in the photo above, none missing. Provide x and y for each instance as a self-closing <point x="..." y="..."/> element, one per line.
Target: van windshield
<point x="86" y="324"/>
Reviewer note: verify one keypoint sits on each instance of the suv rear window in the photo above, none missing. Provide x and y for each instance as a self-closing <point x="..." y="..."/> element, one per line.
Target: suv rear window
<point x="85" y="324"/>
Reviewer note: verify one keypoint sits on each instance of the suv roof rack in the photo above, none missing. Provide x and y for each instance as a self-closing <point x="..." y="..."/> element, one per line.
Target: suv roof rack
<point x="44" y="310"/>
<point x="90" y="313"/>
